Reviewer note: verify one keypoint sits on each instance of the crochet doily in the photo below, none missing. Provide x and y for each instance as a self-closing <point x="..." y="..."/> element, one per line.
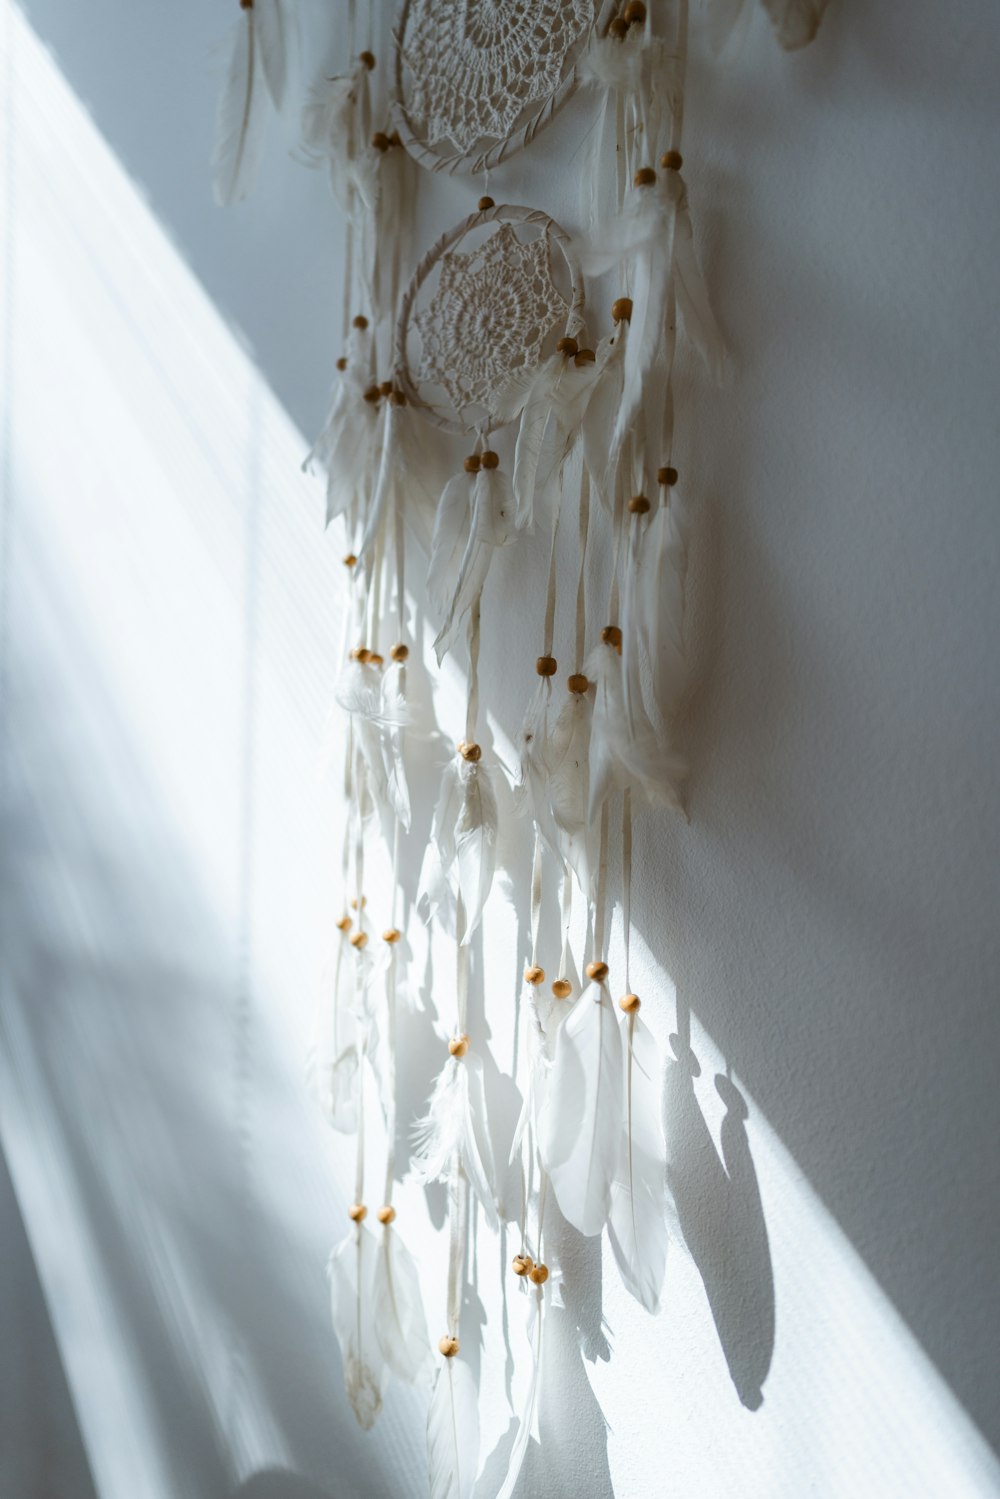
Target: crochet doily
<point x="476" y="79"/>
<point x="484" y="304"/>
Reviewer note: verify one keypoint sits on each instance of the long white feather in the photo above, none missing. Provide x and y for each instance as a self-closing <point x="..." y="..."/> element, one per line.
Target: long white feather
<point x="693" y="305"/>
<point x="602" y="411"/>
<point x="332" y="1059"/>
<point x="400" y="1324"/>
<point x="529" y="1413"/>
<point x="580" y="1123"/>
<point x="454" y="1133"/>
<point x="352" y="1282"/>
<point x="491" y="526"/>
<point x="567" y="758"/>
<point x="277" y="38"/>
<point x="243" y="107"/>
<point x="435" y="894"/>
<point x="637" y="1227"/>
<point x="453" y="1432"/>
<point x="475" y="846"/>
<point x="625" y="749"/>
<point x="660" y="601"/>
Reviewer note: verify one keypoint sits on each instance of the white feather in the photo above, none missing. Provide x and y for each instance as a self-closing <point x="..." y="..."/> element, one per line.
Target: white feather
<point x="531" y="792"/>
<point x="448" y="540"/>
<point x="796" y="22"/>
<point x="454" y="1133"/>
<point x="602" y="411"/>
<point x="625" y="749"/>
<point x="352" y="1280"/>
<point x="453" y="1432"/>
<point x="637" y="1227"/>
<point x="277" y="38"/>
<point x="435" y="894"/>
<point x="567" y="757"/>
<point x="332" y="1057"/>
<point x="529" y="1414"/>
<point x="693" y="305"/>
<point x="336" y="129"/>
<point x="580" y="1123"/>
<point x="400" y="1324"/>
<point x="550" y="420"/>
<point x="239" y="131"/>
<point x="491" y="525"/>
<point x="660" y="601"/>
<point x="475" y="846"/>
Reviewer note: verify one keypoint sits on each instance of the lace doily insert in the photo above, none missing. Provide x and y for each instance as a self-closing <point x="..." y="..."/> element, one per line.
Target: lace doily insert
<point x="476" y="315"/>
<point x="477" y="78"/>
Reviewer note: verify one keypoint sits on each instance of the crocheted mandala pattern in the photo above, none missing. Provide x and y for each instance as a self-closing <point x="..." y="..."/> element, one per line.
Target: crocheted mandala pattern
<point x="476" y="66"/>
<point x="488" y="317"/>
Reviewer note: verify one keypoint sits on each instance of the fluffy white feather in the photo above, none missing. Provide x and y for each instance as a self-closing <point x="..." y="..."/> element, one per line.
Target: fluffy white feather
<point x="453" y="1432"/>
<point x="490" y="525"/>
<point x="637" y="1227"/>
<point x="435" y="894"/>
<point x="352" y="1282"/>
<point x="242" y="113"/>
<point x="567" y="758"/>
<point x="400" y="1324"/>
<point x="625" y="749"/>
<point x="454" y="1133"/>
<point x="580" y="1123"/>
<point x="336" y="129"/>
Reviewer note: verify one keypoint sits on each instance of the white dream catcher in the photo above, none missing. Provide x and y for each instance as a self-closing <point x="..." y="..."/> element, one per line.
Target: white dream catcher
<point x="474" y="410"/>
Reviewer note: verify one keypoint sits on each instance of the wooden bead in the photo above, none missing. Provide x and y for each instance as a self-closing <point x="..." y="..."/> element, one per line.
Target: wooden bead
<point x="358" y="653"/>
<point x="374" y="659"/>
<point x="666" y="476"/>
<point x="644" y="177"/>
<point x="486" y="202"/>
<point x="618" y="28"/>
<point x="546" y="666"/>
<point x="368" y="58"/>
<point x="472" y="464"/>
<point x="567" y="346"/>
<point x="395" y="139"/>
<point x="562" y="988"/>
<point x="386" y="1214"/>
<point x="385" y="387"/>
<point x="391" y="934"/>
<point x="400" y="652"/>
<point x="246" y="4"/>
<point x="458" y="1045"/>
<point x="371" y="395"/>
<point x="342" y="363"/>
<point x="360" y="321"/>
<point x="523" y="1264"/>
<point x="449" y="1346"/>
<point x="538" y="1274"/>
<point x="612" y="635"/>
<point x="359" y="940"/>
<point x="672" y="161"/>
<point x="470" y="752"/>
<point x="381" y="141"/>
<point x="621" y="309"/>
<point x="344" y="924"/>
<point x="578" y="683"/>
<point x="357" y="1211"/>
<point x="397" y="397"/>
<point x="634" y="13"/>
<point x="534" y="974"/>
<point x="585" y="356"/>
<point x="629" y="1003"/>
<point x="489" y="459"/>
<point x="350" y="560"/>
<point x="638" y="504"/>
<point x="364" y="898"/>
<point x="597" y="971"/>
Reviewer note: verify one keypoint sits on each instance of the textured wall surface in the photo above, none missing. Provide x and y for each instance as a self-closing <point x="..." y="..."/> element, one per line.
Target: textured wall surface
<point x="818" y="945"/>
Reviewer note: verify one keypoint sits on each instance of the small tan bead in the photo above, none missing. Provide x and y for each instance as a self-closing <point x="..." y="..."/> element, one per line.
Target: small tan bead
<point x="523" y="1264"/>
<point x="371" y="395"/>
<point x="470" y="752"/>
<point x="618" y="28"/>
<point x="634" y="13"/>
<point x="644" y="177"/>
<point x="672" y="161"/>
<point x="397" y="397"/>
<point x="360" y="321"/>
<point x="246" y="4"/>
<point x="360" y="653"/>
<point x="472" y="464"/>
<point x="597" y="971"/>
<point x="534" y="975"/>
<point x="391" y="934"/>
<point x="364" y="898"/>
<point x="486" y="202"/>
<point x="621" y="309"/>
<point x="546" y="666"/>
<point x="368" y="58"/>
<point x="386" y="1214"/>
<point x="448" y="1345"/>
<point x="538" y="1274"/>
<point x="357" y="1211"/>
<point x="344" y="924"/>
<point x="385" y="386"/>
<point x="374" y="659"/>
<point x="578" y="683"/>
<point x="567" y="346"/>
<point x="458" y="1045"/>
<point x="395" y="139"/>
<point x="489" y="459"/>
<point x="359" y="940"/>
<point x="612" y="635"/>
<point x="562" y="988"/>
<point x="381" y="141"/>
<point x="667" y="476"/>
<point x="342" y="362"/>
<point x="629" y="1003"/>
<point x="350" y="560"/>
<point x="400" y="652"/>
<point x="638" y="504"/>
<point x="585" y="357"/>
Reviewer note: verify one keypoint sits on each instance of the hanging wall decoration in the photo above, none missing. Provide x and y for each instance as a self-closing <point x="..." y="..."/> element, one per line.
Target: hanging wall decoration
<point x="513" y="389"/>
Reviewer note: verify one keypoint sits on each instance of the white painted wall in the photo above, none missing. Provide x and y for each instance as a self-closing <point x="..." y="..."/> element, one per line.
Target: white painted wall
<point x="822" y="935"/>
